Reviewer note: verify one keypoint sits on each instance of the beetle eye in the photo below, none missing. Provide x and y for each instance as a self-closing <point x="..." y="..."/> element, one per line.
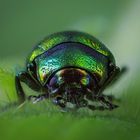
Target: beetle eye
<point x="54" y="84"/>
<point x="56" y="81"/>
<point x="85" y="81"/>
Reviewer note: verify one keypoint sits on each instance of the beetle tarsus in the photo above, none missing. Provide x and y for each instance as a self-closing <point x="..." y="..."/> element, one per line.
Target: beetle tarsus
<point x="35" y="99"/>
<point x="111" y="107"/>
<point x="105" y="100"/>
<point x="92" y="107"/>
<point x="107" y="103"/>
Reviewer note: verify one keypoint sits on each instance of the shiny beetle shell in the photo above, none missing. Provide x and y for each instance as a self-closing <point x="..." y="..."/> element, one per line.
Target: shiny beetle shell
<point x="66" y="49"/>
<point x="70" y="68"/>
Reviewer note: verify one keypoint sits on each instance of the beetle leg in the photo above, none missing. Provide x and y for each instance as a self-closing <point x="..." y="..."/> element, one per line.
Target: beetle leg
<point x="26" y="78"/>
<point x="114" y="75"/>
<point x="60" y="101"/>
<point x="35" y="99"/>
<point x="107" y="103"/>
<point x="117" y="75"/>
<point x="19" y="89"/>
<point x="109" y="97"/>
<point x="92" y="107"/>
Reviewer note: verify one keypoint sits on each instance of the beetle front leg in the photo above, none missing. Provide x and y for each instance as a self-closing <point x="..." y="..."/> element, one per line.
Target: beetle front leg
<point x="92" y="107"/>
<point x="104" y="100"/>
<point x="107" y="103"/>
<point x="96" y="107"/>
<point x="34" y="99"/>
<point x="114" y="76"/>
<point x="19" y="89"/>
<point x="27" y="79"/>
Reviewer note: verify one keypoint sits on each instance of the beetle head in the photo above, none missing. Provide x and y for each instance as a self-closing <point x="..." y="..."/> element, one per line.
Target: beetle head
<point x="71" y="84"/>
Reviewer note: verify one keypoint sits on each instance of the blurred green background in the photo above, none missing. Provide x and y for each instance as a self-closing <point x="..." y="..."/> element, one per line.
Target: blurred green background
<point x="24" y="23"/>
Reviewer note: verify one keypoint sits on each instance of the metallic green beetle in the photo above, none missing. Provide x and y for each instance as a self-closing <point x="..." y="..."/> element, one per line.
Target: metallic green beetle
<point x="72" y="69"/>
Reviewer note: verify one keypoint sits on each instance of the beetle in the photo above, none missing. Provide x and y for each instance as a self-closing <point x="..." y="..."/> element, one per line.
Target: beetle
<point x="70" y="68"/>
